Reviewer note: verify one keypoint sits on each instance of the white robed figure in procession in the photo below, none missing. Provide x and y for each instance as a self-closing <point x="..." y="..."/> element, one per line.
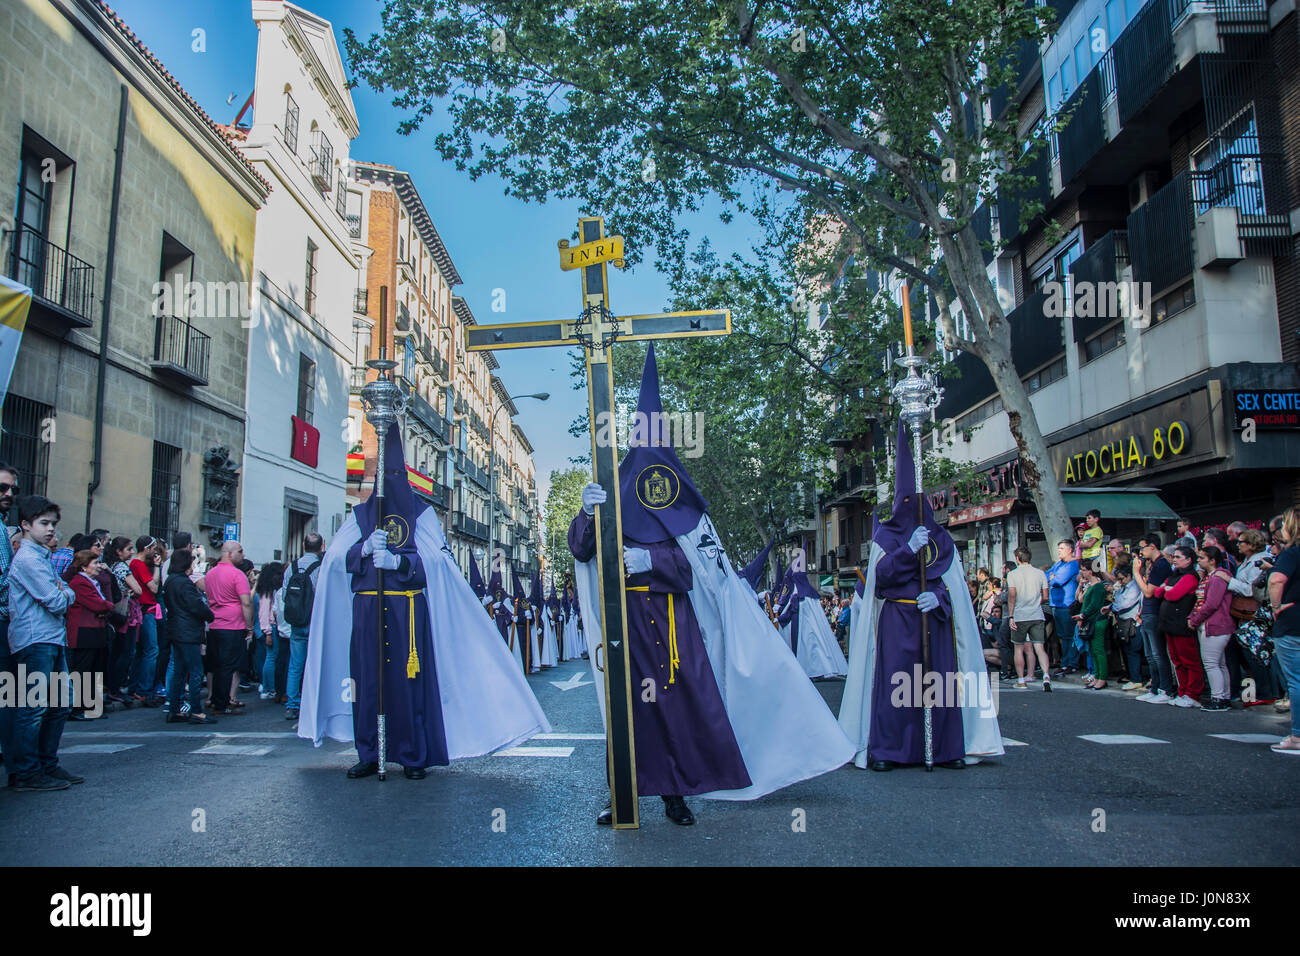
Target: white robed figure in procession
<point x="744" y="711"/>
<point x="455" y="654"/>
<point x="549" y="654"/>
<point x="813" y="643"/>
<point x="882" y="709"/>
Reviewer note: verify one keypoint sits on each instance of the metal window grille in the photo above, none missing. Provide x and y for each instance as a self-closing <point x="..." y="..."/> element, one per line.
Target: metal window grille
<point x="165" y="494"/>
<point x="290" y="124"/>
<point x="309" y="287"/>
<point x="28" y="430"/>
<point x="306" y="388"/>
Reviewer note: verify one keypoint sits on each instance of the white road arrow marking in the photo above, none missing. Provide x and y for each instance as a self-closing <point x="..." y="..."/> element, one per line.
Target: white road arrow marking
<point x="574" y="681"/>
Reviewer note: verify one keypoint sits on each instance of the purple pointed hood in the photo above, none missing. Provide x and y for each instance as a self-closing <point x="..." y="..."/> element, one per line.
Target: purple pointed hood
<point x="658" y="499"/>
<point x="753" y="572"/>
<point x="401" y="506"/>
<point x="893" y="534"/>
<point x="494" y="584"/>
<point x="476" y="578"/>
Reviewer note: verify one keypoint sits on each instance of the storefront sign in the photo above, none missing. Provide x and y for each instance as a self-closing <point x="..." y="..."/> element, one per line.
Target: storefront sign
<point x="992" y="483"/>
<point x="1168" y="435"/>
<point x="994" y="509"/>
<point x="1267" y="408"/>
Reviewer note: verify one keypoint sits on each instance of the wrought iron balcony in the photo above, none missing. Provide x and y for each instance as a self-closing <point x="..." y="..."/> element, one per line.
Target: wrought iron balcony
<point x="463" y="524"/>
<point x="63" y="286"/>
<point x="357" y="379"/>
<point x="403" y="321"/>
<point x="1100" y="267"/>
<point x="354" y="226"/>
<point x="441" y="495"/>
<point x="321" y="167"/>
<point x="180" y="351"/>
<point x="361" y="302"/>
<point x="425" y="413"/>
<point x="1160" y="236"/>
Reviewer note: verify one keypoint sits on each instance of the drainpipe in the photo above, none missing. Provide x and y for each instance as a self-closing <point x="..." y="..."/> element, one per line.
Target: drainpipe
<point x="97" y="462"/>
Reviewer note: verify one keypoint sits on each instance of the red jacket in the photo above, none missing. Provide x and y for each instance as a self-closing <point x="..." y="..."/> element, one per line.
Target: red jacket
<point x="88" y="617"/>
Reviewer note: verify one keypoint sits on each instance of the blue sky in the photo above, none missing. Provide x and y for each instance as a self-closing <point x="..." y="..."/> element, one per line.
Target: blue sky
<point x="495" y="240"/>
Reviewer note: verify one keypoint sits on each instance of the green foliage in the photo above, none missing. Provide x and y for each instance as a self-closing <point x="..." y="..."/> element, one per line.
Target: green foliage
<point x="562" y="502"/>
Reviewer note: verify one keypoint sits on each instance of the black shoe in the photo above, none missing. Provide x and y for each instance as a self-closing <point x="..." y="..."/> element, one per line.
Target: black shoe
<point x="290" y="715"/>
<point x="958" y="764"/>
<point x="58" y="773"/>
<point x="881" y="765"/>
<point x="415" y="773"/>
<point x="40" y="782"/>
<point x="606" y="817"/>
<point x="675" y="809"/>
<point x="363" y="768"/>
<point x="178" y="719"/>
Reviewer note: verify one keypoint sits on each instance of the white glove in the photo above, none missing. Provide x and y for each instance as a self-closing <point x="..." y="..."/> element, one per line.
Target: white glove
<point x="528" y="615"/>
<point x="378" y="539"/>
<point x="592" y="495"/>
<point x="636" y="560"/>
<point x="487" y="600"/>
<point x="926" y="601"/>
<point x="919" y="539"/>
<point x="385" y="560"/>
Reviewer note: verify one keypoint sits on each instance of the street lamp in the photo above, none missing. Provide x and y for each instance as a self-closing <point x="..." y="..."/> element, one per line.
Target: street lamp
<point x="492" y="472"/>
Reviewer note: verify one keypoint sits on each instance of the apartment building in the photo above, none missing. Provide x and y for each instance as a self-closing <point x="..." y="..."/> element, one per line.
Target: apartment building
<point x="406" y="303"/>
<point x="305" y="278"/>
<point x="126" y="404"/>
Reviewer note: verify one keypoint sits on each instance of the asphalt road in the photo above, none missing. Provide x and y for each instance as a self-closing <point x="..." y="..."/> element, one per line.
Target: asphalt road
<point x="264" y="797"/>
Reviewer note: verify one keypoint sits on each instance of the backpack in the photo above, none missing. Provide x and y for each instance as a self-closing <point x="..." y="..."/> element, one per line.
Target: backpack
<point x="299" y="594"/>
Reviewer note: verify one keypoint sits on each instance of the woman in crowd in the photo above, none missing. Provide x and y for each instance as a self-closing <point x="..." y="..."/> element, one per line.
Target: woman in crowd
<point x="1211" y="619"/>
<point x="1126" y="613"/>
<point x="1092" y="623"/>
<point x="120" y="551"/>
<point x="1179" y="596"/>
<point x="1253" y="635"/>
<point x="188" y="615"/>
<point x="1284" y="601"/>
<point x="87" y="624"/>
<point x="270" y="612"/>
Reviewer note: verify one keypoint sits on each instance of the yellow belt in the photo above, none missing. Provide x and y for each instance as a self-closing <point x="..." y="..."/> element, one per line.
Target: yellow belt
<point x="412" y="659"/>
<point x="673" y="657"/>
<point x="902" y="600"/>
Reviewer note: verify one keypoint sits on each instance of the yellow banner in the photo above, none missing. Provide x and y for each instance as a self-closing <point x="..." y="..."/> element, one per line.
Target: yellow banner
<point x="609" y="249"/>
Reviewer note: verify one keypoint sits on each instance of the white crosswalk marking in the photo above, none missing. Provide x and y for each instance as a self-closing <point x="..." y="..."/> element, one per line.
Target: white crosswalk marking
<point x="1008" y="742"/>
<point x="232" y="750"/>
<point x="569" y="737"/>
<point x="1121" y="739"/>
<point x="1250" y="738"/>
<point x="203" y="734"/>
<point x="535" y="752"/>
<point x="96" y="749"/>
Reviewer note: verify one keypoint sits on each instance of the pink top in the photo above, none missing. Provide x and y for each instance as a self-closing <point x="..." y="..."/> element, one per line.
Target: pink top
<point x="225" y="583"/>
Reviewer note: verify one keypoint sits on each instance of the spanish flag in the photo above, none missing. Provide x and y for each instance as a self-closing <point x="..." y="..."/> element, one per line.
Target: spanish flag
<point x="15" y="301"/>
<point x="356" y="466"/>
<point x="420" y="482"/>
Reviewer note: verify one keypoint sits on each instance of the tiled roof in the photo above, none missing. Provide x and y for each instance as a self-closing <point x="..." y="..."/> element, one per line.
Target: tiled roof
<point x="175" y="84"/>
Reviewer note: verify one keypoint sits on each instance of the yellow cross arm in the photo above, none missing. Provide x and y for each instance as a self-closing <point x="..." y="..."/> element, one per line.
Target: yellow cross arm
<point x="632" y="328"/>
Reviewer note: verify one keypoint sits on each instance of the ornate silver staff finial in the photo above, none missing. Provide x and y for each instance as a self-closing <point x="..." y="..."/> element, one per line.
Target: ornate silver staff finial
<point x="916" y="394"/>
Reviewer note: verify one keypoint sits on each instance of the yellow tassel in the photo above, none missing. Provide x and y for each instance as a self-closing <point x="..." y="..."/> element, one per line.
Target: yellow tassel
<point x="413" y="659"/>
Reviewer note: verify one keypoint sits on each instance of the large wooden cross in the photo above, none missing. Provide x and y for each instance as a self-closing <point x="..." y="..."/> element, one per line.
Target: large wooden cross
<point x="596" y="329"/>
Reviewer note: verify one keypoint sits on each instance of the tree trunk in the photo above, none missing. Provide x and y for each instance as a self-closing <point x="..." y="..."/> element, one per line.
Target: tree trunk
<point x="1035" y="462"/>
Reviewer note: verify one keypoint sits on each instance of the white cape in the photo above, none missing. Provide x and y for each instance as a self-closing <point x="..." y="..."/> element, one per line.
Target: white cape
<point x="979" y="716"/>
<point x="487" y="704"/>
<point x="550" y="649"/>
<point x="784" y="729"/>
<point x="819" y="653"/>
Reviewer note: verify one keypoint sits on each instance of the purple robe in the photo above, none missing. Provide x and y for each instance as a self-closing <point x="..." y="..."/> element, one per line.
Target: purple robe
<point x="684" y="741"/>
<point x="897" y="732"/>
<point x="416" y="736"/>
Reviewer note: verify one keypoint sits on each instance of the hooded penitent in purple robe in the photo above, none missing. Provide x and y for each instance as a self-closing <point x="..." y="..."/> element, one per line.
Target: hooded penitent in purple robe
<point x="684" y="741"/>
<point x="416" y="737"/>
<point x="897" y="731"/>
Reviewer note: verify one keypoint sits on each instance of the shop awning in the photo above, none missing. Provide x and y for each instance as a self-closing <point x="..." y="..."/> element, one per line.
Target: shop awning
<point x="1115" y="503"/>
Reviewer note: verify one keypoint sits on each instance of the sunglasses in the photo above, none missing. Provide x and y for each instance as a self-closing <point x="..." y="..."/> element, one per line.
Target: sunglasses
<point x="5" y="488"/>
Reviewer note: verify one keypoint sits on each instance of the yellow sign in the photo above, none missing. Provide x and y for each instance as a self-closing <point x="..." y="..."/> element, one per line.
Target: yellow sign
<point x="608" y="249"/>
